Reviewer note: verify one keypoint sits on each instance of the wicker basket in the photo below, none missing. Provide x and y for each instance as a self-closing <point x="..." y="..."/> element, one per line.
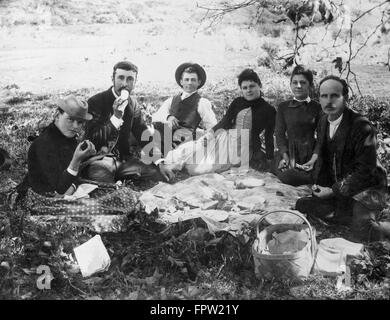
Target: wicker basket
<point x="294" y="266"/>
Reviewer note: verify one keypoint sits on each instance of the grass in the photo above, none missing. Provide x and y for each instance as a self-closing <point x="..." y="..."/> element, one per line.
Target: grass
<point x="146" y="262"/>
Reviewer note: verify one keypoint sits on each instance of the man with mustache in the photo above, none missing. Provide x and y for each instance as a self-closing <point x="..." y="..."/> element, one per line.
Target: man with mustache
<point x="117" y="117"/>
<point x="351" y="181"/>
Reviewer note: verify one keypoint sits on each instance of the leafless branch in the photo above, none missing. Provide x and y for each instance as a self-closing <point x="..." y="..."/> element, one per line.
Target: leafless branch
<point x="338" y="34"/>
<point x="388" y="59"/>
<point x="259" y="14"/>
<point x="370" y="10"/>
<point x="301" y="31"/>
<point x="348" y="64"/>
<point x="370" y="36"/>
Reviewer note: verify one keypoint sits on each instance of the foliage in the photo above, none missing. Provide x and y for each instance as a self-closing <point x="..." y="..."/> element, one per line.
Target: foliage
<point x="311" y="21"/>
<point x="151" y="261"/>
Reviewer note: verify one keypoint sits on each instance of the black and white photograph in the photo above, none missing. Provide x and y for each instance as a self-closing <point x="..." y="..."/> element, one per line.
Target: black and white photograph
<point x="197" y="155"/>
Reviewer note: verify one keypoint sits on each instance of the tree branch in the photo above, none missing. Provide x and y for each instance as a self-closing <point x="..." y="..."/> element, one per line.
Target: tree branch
<point x="370" y="36"/>
<point x="370" y="10"/>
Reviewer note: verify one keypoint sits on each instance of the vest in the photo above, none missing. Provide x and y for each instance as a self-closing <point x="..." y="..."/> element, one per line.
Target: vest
<point x="186" y="111"/>
<point x="330" y="156"/>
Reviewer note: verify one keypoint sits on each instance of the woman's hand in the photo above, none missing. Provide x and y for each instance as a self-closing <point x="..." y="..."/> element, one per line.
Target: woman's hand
<point x="322" y="192"/>
<point x="308" y="166"/>
<point x="284" y="163"/>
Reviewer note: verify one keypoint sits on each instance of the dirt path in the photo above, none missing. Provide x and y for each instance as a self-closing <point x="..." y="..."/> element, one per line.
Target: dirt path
<point x="54" y="59"/>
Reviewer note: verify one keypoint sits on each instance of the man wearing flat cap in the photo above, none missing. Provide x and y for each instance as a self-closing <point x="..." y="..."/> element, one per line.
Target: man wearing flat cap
<point x="117" y="119"/>
<point x="54" y="157"/>
<point x="186" y="110"/>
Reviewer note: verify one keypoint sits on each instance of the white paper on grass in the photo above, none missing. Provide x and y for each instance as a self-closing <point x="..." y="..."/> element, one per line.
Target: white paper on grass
<point x="347" y="247"/>
<point x="92" y="256"/>
<point x="332" y="255"/>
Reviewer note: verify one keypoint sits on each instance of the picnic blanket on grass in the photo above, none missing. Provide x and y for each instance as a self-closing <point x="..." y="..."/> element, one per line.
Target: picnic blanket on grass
<point x="105" y="210"/>
<point x="222" y="201"/>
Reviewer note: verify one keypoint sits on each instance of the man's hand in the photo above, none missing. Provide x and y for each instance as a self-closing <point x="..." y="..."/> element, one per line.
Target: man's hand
<point x="173" y="122"/>
<point x="323" y="192"/>
<point x="119" y="107"/>
<point x="166" y="172"/>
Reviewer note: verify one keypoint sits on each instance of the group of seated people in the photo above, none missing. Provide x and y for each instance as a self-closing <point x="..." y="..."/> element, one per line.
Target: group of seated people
<point x="324" y="144"/>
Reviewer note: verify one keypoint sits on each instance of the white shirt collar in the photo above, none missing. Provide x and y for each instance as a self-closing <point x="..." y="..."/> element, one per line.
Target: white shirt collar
<point x="185" y="95"/>
<point x="307" y="99"/>
<point x="114" y="93"/>
<point x="337" y="121"/>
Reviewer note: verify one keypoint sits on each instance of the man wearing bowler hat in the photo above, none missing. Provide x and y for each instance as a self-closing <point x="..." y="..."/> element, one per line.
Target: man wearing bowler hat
<point x="186" y="110"/>
<point x="54" y="157"/>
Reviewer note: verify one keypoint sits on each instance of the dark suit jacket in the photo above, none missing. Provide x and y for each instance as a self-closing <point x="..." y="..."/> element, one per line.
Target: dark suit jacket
<point x="101" y="131"/>
<point x="357" y="166"/>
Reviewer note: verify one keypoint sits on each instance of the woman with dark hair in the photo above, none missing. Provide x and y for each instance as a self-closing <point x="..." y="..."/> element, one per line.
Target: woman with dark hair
<point x="296" y="122"/>
<point x="235" y="139"/>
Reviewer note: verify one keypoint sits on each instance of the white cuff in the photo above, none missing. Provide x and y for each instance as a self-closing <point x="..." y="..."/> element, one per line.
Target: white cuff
<point x="72" y="172"/>
<point x="158" y="161"/>
<point x="116" y="122"/>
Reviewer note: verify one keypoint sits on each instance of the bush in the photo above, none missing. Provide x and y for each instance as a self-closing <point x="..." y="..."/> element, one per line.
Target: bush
<point x="376" y="110"/>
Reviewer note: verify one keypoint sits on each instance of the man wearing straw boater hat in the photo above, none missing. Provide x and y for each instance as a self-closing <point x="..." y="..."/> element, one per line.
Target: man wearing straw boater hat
<point x="54" y="157"/>
<point x="351" y="182"/>
<point x="186" y="110"/>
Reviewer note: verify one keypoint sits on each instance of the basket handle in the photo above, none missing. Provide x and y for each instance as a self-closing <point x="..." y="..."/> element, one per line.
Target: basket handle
<point x="296" y="214"/>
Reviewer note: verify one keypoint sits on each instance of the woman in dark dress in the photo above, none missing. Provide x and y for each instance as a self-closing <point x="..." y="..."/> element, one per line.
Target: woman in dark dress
<point x="296" y="122"/>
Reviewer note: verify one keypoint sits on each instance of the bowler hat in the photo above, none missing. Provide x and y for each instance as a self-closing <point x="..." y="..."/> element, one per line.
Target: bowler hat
<point x="74" y="107"/>
<point x="5" y="160"/>
<point x="199" y="70"/>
